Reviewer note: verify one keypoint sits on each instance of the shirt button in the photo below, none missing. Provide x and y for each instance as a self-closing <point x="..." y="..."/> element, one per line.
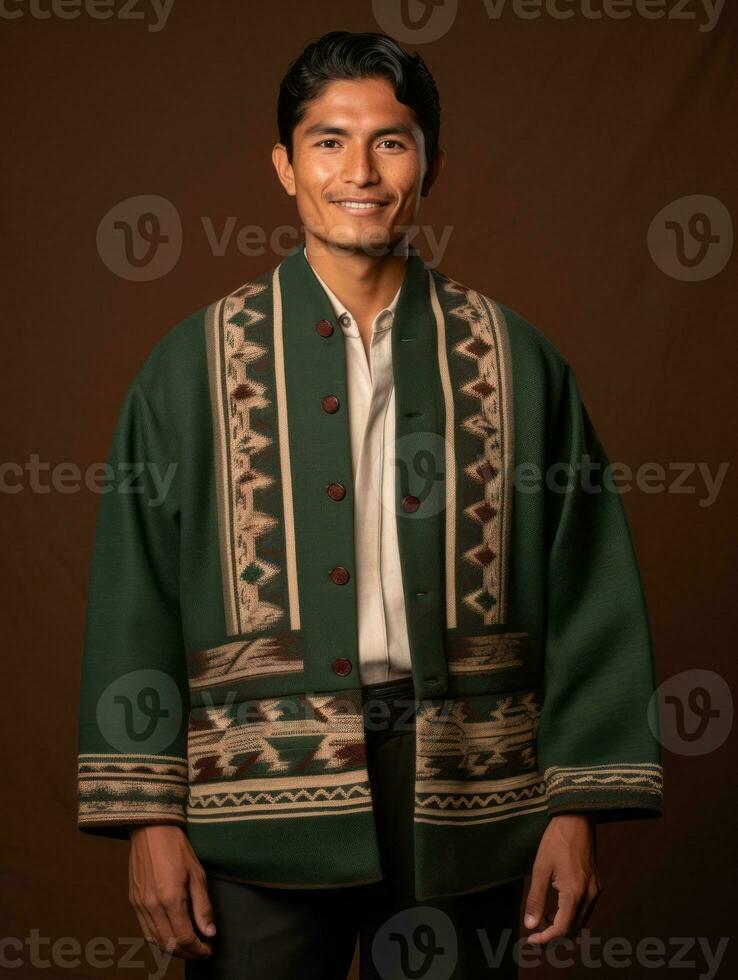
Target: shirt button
<point x="340" y="575"/>
<point x="330" y="404"/>
<point x="344" y="319"/>
<point x="341" y="666"/>
<point x="324" y="328"/>
<point x="410" y="504"/>
<point x="336" y="491"/>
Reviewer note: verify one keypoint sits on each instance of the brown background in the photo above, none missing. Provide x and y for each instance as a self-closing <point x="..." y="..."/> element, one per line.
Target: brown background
<point x="565" y="138"/>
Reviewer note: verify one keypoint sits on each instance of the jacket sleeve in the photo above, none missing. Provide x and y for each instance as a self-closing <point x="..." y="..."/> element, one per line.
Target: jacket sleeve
<point x="132" y="762"/>
<point x="598" y="734"/>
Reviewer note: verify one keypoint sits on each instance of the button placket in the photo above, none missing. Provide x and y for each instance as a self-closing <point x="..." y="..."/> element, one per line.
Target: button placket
<point x="370" y="402"/>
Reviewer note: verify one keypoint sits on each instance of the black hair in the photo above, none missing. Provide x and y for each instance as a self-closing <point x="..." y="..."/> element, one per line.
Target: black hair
<point x="347" y="55"/>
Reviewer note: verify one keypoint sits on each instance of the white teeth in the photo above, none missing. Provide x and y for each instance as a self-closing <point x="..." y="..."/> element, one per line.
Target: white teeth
<point x="355" y="204"/>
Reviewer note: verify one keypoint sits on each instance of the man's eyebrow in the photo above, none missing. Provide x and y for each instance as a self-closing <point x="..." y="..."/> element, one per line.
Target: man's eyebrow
<point x="327" y="128"/>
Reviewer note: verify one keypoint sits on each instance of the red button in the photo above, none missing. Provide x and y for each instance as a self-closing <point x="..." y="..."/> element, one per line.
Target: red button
<point x="341" y="666"/>
<point x="340" y="575"/>
<point x="330" y="404"/>
<point x="336" y="491"/>
<point x="324" y="328"/>
<point x="410" y="504"/>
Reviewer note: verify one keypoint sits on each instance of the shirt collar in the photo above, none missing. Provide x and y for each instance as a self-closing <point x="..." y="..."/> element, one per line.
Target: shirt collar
<point x="382" y="321"/>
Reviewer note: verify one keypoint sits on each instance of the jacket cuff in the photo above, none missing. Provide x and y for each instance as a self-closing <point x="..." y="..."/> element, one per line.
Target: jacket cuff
<point x="117" y="791"/>
<point x="626" y="789"/>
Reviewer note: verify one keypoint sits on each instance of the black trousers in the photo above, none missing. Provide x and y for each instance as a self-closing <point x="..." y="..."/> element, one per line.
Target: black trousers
<point x="310" y="933"/>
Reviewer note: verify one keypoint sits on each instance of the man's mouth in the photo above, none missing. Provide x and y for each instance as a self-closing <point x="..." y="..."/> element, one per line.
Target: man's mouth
<point x="368" y="204"/>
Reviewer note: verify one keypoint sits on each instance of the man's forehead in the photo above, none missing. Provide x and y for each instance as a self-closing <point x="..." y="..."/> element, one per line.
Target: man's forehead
<point x="346" y="110"/>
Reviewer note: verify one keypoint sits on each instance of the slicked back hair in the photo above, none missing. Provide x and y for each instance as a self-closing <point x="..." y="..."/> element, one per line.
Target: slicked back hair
<point x="347" y="55"/>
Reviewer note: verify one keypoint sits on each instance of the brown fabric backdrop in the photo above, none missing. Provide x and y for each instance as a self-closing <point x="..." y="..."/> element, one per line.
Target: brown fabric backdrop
<point x="565" y="139"/>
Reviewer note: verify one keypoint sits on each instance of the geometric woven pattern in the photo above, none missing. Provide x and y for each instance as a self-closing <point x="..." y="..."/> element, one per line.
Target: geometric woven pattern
<point x="633" y="781"/>
<point x="245" y="365"/>
<point x="476" y="759"/>
<point x="481" y="654"/>
<point x="479" y="367"/>
<point x="120" y="789"/>
<point x="278" y="757"/>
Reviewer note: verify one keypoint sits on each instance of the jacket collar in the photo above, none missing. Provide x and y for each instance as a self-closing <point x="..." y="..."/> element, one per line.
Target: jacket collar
<point x="349" y="326"/>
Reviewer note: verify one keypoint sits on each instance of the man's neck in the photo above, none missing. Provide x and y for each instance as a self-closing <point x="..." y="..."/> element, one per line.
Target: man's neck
<point x="365" y="284"/>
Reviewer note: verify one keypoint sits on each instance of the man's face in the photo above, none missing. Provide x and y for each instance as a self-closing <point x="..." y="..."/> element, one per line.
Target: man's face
<point x="358" y="166"/>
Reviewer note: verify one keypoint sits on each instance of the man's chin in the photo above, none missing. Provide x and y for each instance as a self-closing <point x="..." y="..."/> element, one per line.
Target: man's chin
<point x="374" y="240"/>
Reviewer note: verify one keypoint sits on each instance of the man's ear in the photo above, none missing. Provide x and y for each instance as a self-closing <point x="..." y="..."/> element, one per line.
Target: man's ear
<point x="284" y="168"/>
<point x="439" y="162"/>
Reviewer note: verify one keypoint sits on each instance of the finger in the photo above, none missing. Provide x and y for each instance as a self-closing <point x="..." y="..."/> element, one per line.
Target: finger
<point x="562" y="920"/>
<point x="580" y="906"/>
<point x="188" y="943"/>
<point x="593" y="895"/>
<point x="146" y="923"/>
<point x="535" y="903"/>
<point x="162" y="926"/>
<point x="202" y="910"/>
<point x="146" y="926"/>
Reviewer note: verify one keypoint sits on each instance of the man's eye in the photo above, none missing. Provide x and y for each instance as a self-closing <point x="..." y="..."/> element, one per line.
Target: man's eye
<point x="395" y="142"/>
<point x="327" y="141"/>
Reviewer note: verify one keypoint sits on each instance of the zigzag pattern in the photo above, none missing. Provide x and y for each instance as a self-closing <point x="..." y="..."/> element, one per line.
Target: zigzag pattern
<point x="273" y="798"/>
<point x="246" y="395"/>
<point x="645" y="776"/>
<point x="481" y="347"/>
<point x="472" y="801"/>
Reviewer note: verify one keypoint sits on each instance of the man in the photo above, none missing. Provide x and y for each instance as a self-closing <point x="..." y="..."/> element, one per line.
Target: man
<point x="366" y="638"/>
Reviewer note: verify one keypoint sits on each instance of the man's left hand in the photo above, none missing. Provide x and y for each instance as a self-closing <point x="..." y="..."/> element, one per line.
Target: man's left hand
<point x="565" y="860"/>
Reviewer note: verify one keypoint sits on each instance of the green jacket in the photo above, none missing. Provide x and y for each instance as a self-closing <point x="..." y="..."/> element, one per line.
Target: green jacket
<point x="220" y="685"/>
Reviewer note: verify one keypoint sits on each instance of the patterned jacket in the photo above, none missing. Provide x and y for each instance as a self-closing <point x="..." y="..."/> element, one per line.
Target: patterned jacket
<point x="220" y="686"/>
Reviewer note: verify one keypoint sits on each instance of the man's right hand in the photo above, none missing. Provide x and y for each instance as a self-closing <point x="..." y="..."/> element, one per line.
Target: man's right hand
<point x="165" y="881"/>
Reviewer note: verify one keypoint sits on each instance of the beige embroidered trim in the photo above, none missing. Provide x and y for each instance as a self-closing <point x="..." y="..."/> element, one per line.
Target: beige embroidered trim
<point x="487" y="347"/>
<point x="230" y="663"/>
<point x="476" y="758"/>
<point x="239" y="372"/>
<point x="295" y="755"/>
<point x="450" y="458"/>
<point x="118" y="789"/>
<point x="623" y="777"/>
<point x="481" y="654"/>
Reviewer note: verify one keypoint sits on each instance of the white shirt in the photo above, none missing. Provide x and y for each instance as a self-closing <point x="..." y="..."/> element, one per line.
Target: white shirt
<point x="384" y="648"/>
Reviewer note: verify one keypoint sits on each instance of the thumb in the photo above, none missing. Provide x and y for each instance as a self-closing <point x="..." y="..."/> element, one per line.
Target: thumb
<point x="535" y="903"/>
<point x="202" y="910"/>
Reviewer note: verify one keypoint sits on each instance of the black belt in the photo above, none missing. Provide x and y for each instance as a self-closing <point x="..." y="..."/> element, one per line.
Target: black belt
<point x="400" y="688"/>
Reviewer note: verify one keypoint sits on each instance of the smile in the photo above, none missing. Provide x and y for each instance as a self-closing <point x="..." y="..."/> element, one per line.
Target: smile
<point x="360" y="205"/>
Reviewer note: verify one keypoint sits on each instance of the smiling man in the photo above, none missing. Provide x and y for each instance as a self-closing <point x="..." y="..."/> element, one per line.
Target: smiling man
<point x="382" y="652"/>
